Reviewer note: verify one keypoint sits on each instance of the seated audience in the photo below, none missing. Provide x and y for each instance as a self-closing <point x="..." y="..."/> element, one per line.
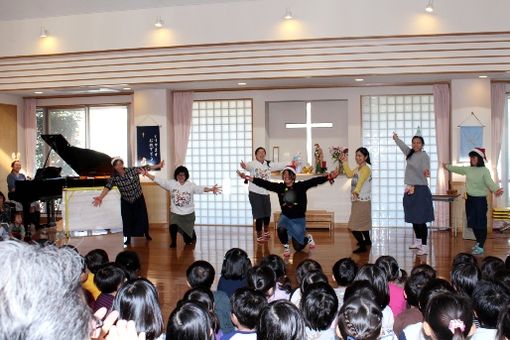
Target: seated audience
<point x="359" y="318"/>
<point x="302" y="269"/>
<point x="190" y="320"/>
<point x="319" y="306"/>
<point x="108" y="279"/>
<point x="281" y="320"/>
<point x="234" y="271"/>
<point x="504" y="324"/>
<point x="490" y="266"/>
<point x="94" y="260"/>
<point x="129" y="262"/>
<point x="283" y="287"/>
<point x="396" y="278"/>
<point x="464" y="278"/>
<point x="17" y="229"/>
<point x="205" y="297"/>
<point x="246" y="308"/>
<point x="344" y="272"/>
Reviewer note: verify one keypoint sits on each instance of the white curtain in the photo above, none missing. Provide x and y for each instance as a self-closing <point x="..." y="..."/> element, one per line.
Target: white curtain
<point x="498" y="105"/>
<point x="442" y="118"/>
<point x="30" y="130"/>
<point x="182" y="105"/>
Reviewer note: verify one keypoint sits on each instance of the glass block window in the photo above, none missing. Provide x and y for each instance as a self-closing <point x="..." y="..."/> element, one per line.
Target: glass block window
<point x="381" y="115"/>
<point x="221" y="136"/>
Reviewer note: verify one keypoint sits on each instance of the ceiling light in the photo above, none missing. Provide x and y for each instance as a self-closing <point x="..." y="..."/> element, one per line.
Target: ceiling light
<point x="288" y="14"/>
<point x="242" y="83"/>
<point x="359" y="79"/>
<point x="38" y="92"/>
<point x="159" y="23"/>
<point x="126" y="88"/>
<point x="483" y="77"/>
<point x="430" y="7"/>
<point x="44" y="32"/>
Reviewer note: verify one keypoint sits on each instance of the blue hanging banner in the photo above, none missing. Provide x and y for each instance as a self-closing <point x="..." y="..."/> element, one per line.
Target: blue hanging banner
<point x="147" y="145"/>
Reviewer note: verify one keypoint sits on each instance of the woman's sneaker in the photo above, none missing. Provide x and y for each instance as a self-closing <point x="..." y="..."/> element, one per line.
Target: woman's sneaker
<point x="423" y="250"/>
<point x="477" y="251"/>
<point x="286" y="250"/>
<point x="416" y="244"/>
<point x="310" y="242"/>
<point x="475" y="246"/>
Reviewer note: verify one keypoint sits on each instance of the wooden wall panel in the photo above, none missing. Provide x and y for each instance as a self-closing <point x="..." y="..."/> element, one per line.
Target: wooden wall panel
<point x="157" y="200"/>
<point x="8" y="141"/>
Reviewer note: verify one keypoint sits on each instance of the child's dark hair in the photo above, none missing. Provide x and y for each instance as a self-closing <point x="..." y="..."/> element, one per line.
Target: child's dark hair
<point x="281" y="320"/>
<point x="109" y="277"/>
<point x="205" y="297"/>
<point x="449" y="316"/>
<point x="489" y="299"/>
<point x="138" y="300"/>
<point x="181" y="169"/>
<point x="479" y="159"/>
<point x="304" y="267"/>
<point x="377" y="278"/>
<point x="130" y="262"/>
<point x="465" y="277"/>
<point x="425" y="268"/>
<point x="276" y="263"/>
<point x="432" y="288"/>
<point x="257" y="150"/>
<point x="200" y="273"/>
<point x="507" y="262"/>
<point x="413" y="287"/>
<point x="361" y="288"/>
<point x="236" y="264"/>
<point x="311" y="278"/>
<point x="390" y="266"/>
<point x="247" y="306"/>
<point x="503" y="277"/>
<point x="490" y="265"/>
<point x="344" y="271"/>
<point x="319" y="306"/>
<point x="261" y="279"/>
<point x="360" y="318"/>
<point x="463" y="258"/>
<point x="364" y="152"/>
<point x="411" y="152"/>
<point x="504" y="324"/>
<point x="95" y="259"/>
<point x="190" y="320"/>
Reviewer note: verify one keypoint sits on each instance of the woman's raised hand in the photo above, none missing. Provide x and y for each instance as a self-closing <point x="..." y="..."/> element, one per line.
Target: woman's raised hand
<point x="395" y="136"/>
<point x="216" y="189"/>
<point x="243" y="165"/>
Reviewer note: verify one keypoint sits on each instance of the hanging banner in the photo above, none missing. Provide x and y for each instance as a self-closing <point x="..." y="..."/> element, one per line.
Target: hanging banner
<point x="147" y="145"/>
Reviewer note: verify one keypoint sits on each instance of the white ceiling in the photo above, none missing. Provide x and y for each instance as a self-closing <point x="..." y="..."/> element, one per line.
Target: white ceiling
<point x="33" y="9"/>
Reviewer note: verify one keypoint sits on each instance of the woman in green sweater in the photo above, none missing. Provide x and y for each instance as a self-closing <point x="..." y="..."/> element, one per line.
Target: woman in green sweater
<point x="478" y="183"/>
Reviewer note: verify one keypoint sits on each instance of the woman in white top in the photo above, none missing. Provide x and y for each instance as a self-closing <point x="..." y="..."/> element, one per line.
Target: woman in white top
<point x="182" y="207"/>
<point x="259" y="197"/>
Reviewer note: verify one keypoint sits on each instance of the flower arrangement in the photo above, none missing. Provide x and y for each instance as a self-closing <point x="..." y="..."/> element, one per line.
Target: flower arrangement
<point x="336" y="152"/>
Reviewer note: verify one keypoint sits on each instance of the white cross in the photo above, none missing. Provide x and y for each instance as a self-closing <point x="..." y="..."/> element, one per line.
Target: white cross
<point x="308" y="125"/>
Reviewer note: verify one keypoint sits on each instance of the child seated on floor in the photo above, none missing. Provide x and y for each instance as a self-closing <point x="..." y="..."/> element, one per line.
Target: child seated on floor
<point x="205" y="297"/>
<point x="302" y="270"/>
<point x="234" y="270"/>
<point x="246" y="308"/>
<point x="283" y="287"/>
<point x="108" y="279"/>
<point x="319" y="306"/>
<point x="4" y="231"/>
<point x="359" y="318"/>
<point x="17" y="229"/>
<point x="190" y="320"/>
<point x="94" y="260"/>
<point x="262" y="279"/>
<point x="344" y="272"/>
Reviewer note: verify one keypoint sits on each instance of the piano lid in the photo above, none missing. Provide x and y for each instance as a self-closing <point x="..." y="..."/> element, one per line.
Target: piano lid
<point x="85" y="162"/>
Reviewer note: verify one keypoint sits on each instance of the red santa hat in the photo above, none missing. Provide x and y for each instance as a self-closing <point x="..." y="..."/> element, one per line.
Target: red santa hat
<point x="480" y="152"/>
<point x="291" y="168"/>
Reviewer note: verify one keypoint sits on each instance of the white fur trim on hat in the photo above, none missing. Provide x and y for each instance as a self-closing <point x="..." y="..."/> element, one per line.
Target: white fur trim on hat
<point x="117" y="158"/>
<point x="291" y="169"/>
<point x="480" y="152"/>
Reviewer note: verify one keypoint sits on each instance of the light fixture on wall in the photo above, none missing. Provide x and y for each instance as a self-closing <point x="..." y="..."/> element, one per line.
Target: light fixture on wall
<point x="44" y="32"/>
<point x="359" y="80"/>
<point x="288" y="14"/>
<point x="430" y="7"/>
<point x="159" y="22"/>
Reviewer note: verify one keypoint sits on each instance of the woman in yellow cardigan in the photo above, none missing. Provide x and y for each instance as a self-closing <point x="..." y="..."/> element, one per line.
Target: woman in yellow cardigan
<point x="360" y="221"/>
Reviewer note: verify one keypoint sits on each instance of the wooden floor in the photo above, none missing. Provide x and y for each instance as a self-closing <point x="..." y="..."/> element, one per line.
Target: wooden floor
<point x="166" y="267"/>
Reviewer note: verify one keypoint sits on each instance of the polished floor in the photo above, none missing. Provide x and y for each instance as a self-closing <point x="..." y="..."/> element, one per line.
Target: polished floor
<point x="165" y="267"/>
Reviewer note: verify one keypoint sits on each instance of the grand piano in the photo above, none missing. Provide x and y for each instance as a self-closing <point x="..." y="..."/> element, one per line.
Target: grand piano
<point x="93" y="168"/>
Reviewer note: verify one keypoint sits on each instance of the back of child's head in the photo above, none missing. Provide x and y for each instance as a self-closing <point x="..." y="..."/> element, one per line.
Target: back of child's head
<point x="464" y="278"/>
<point x="277" y="264"/>
<point x="311" y="278"/>
<point x="432" y="288"/>
<point x="138" y="300"/>
<point x="390" y="266"/>
<point x="413" y="287"/>
<point x="503" y="277"/>
<point x="304" y="267"/>
<point x="463" y="258"/>
<point x="489" y="299"/>
<point x="426" y="268"/>
<point x="359" y="318"/>
<point x="109" y="277"/>
<point x="281" y="320"/>
<point x="247" y="306"/>
<point x="262" y="279"/>
<point x="200" y="273"/>
<point x="490" y="265"/>
<point x="507" y="262"/>
<point x="95" y="259"/>
<point x="448" y="316"/>
<point x="319" y="306"/>
<point x="504" y="324"/>
<point x="190" y="320"/>
<point x="130" y="262"/>
<point x="236" y="264"/>
<point x="202" y="295"/>
<point x="362" y="288"/>
<point x="377" y="278"/>
<point x="344" y="271"/>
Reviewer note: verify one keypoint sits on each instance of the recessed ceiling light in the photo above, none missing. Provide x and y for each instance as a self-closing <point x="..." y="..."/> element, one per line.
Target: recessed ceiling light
<point x="126" y="88"/>
<point x="159" y="23"/>
<point x="288" y="14"/>
<point x="242" y="83"/>
<point x="483" y="77"/>
<point x="38" y="92"/>
<point x="44" y="33"/>
<point x="430" y="7"/>
<point x="359" y="79"/>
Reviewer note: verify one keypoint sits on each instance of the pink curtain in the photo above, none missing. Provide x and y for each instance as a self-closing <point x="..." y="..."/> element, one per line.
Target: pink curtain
<point x="498" y="103"/>
<point x="182" y="104"/>
<point x="30" y="129"/>
<point x="442" y="118"/>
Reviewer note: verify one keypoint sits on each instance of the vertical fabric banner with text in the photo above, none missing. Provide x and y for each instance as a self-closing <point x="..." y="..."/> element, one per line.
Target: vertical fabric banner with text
<point x="147" y="145"/>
